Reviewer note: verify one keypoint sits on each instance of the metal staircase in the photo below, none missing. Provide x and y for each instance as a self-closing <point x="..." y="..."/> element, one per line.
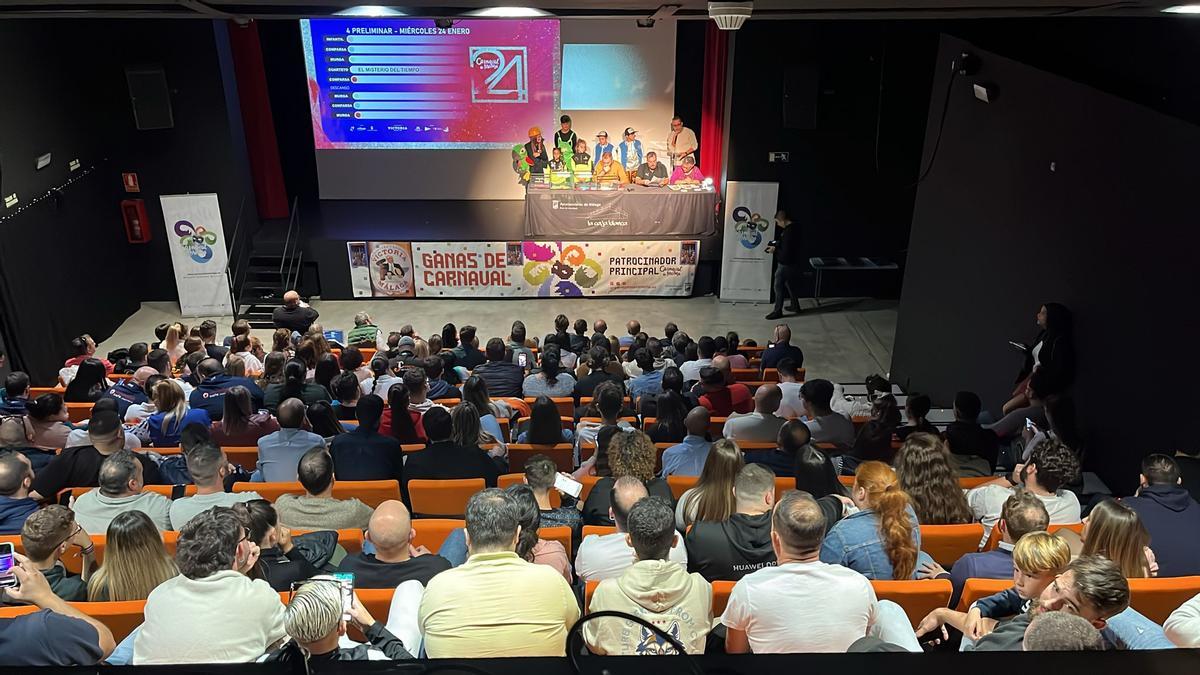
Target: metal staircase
<point x="261" y="277"/>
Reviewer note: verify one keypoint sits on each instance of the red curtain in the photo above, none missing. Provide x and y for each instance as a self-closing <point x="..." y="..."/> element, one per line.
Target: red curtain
<point x="712" y="102"/>
<point x="257" y="121"/>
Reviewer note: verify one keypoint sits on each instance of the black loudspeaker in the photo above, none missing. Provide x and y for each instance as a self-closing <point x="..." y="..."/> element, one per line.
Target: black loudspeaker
<point x="149" y="96"/>
<point x="801" y="84"/>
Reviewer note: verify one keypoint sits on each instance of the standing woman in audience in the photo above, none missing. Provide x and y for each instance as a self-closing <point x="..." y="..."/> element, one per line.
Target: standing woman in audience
<point x="1052" y="354"/>
<point x="398" y="421"/>
<point x="241" y="425"/>
<point x="927" y="474"/>
<point x="135" y="560"/>
<point x="294" y="386"/>
<point x="165" y="426"/>
<point x="1115" y="531"/>
<point x="475" y="392"/>
<point x="551" y="381"/>
<point x="89" y="384"/>
<point x="712" y="497"/>
<point x="670" y="411"/>
<point x="240" y="346"/>
<point x="324" y="421"/>
<point x="272" y="372"/>
<point x="881" y="541"/>
<point x="545" y="425"/>
<point x="50" y="420"/>
<point x="281" y="341"/>
<point x="874" y="441"/>
<point x="173" y="342"/>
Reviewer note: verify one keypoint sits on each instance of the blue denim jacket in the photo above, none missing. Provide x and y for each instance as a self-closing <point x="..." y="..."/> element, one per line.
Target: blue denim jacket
<point x="855" y="542"/>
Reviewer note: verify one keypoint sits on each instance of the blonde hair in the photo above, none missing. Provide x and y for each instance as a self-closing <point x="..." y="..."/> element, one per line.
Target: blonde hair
<point x="891" y="504"/>
<point x="313" y="612"/>
<point x="1116" y="532"/>
<point x="169" y="399"/>
<point x="713" y="493"/>
<point x="135" y="561"/>
<point x="1041" y="552"/>
<point x="420" y="349"/>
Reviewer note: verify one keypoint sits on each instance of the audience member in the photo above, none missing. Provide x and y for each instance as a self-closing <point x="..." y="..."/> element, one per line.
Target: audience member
<point x="294" y="386"/>
<point x="89" y="383"/>
<point x="315" y="621"/>
<point x="803" y="604"/>
<point x="926" y="474"/>
<point x="294" y="315"/>
<point x="80" y="466"/>
<point x="608" y="402"/>
<point x="1022" y="513"/>
<point x="763" y="424"/>
<point x="212" y="612"/>
<point x="47" y="536"/>
<point x="780" y="348"/>
<point x="706" y="349"/>
<point x="318" y="509"/>
<point x="209" y="394"/>
<point x="687" y="458"/>
<point x="598" y="369"/>
<point x="627" y="454"/>
<point x="1050" y="468"/>
<point x="712" y="497"/>
<point x="398" y="420"/>
<point x="875" y="438"/>
<point x="323" y="421"/>
<point x="550" y="381"/>
<point x="530" y="547"/>
<point x="120" y="491"/>
<point x="125" y="392"/>
<point x="58" y="634"/>
<point x="280" y="451"/>
<point x="242" y="425"/>
<point x="882" y="540"/>
<point x="731" y="549"/>
<point x="439" y="387"/>
<point x="826" y="425"/>
<point x="16" y="477"/>
<point x="79" y="435"/>
<point x="243" y="348"/>
<point x="364" y="453"/>
<point x="790" y="382"/>
<point x="395" y="560"/>
<point x="968" y="439"/>
<point x="606" y="556"/>
<point x="382" y="378"/>
<point x="135" y="358"/>
<point x="468" y="611"/>
<point x="545" y="425"/>
<point x="135" y="560"/>
<point x="540" y="473"/>
<point x="720" y="397"/>
<point x="475" y="392"/>
<point x="173" y="414"/>
<point x="518" y="351"/>
<point x="1183" y="626"/>
<point x="1113" y="530"/>
<point x="14" y="437"/>
<point x="649" y="381"/>
<point x="1166" y="509"/>
<point x="654" y="588"/>
<point x="48" y="416"/>
<point x="467" y="352"/>
<point x="444" y="458"/>
<point x="792" y="438"/>
<point x="280" y="562"/>
<point x="1061" y="632"/>
<point x="208" y="466"/>
<point x="670" y="425"/>
<point x="917" y="406"/>
<point x="366" y="334"/>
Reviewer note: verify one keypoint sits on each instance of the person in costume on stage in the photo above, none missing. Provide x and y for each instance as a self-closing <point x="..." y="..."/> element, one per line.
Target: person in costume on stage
<point x="557" y="163"/>
<point x="602" y="146"/>
<point x="566" y="139"/>
<point x="581" y="159"/>
<point x="687" y="173"/>
<point x="537" y="155"/>
<point x="608" y="171"/>
<point x="652" y="172"/>
<point x="681" y="142"/>
<point x="631" y="151"/>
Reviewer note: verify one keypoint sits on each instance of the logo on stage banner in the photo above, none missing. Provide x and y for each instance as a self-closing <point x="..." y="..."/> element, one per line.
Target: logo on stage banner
<point x="194" y="228"/>
<point x="382" y="269"/>
<point x="749" y="226"/>
<point x="197" y="241"/>
<point x="745" y="262"/>
<point x="499" y="75"/>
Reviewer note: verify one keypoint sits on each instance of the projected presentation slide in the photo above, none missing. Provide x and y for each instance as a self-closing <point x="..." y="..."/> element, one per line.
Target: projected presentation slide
<point x="397" y="84"/>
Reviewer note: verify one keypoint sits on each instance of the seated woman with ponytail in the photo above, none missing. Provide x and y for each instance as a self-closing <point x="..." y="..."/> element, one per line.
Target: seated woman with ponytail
<point x="882" y="541"/>
<point x="398" y="421"/>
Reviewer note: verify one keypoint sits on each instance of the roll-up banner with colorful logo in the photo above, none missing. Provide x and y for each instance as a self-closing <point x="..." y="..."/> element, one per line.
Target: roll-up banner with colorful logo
<point x="197" y="243"/>
<point x="498" y="269"/>
<point x="745" y="262"/>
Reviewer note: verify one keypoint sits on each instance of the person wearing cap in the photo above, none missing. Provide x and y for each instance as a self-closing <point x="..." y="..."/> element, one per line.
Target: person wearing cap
<point x="609" y="171"/>
<point x="652" y="172"/>
<point x="687" y="173"/>
<point x="537" y="155"/>
<point x="80" y="466"/>
<point x="602" y="146"/>
<point x="581" y="160"/>
<point x="405" y="349"/>
<point x="681" y="142"/>
<point x="130" y="391"/>
<point x="631" y="150"/>
<point x="566" y="139"/>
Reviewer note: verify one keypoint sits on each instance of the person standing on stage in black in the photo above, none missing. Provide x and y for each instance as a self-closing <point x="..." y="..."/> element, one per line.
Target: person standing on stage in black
<point x="565" y="138"/>
<point x="788" y="261"/>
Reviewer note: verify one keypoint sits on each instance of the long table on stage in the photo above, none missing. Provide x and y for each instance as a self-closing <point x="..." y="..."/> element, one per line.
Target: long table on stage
<point x="630" y="212"/>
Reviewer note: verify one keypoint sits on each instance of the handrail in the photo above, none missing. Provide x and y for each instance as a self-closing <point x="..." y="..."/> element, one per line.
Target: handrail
<point x="287" y="242"/>
<point x="292" y="257"/>
<point x="234" y="251"/>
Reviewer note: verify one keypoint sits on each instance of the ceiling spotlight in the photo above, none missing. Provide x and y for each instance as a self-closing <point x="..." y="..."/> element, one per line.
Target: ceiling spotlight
<point x="730" y="15"/>
<point x="444" y="24"/>
<point x="508" y="12"/>
<point x="1183" y="9"/>
<point x="645" y="23"/>
<point x="369" y="10"/>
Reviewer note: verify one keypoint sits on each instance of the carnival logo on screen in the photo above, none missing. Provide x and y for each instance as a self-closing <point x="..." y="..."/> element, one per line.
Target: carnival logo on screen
<point x="499" y="75"/>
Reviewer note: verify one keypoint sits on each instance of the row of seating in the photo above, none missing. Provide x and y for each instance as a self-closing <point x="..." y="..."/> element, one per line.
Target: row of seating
<point x="1154" y="598"/>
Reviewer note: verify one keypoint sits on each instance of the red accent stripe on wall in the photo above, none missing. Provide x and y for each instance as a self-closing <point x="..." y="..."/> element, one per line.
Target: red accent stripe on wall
<point x="258" y="122"/>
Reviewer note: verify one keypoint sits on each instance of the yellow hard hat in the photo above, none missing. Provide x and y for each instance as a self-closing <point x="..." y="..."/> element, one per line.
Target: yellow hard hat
<point x="534" y="132"/>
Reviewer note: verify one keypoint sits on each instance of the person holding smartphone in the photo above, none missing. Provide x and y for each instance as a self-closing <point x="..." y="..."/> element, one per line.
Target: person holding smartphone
<point x="58" y="635"/>
<point x="315" y="622"/>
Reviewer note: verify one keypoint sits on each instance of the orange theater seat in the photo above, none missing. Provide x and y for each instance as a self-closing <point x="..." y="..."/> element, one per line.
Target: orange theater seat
<point x="120" y="617"/>
<point x="598" y="530"/>
<point x="507" y="480"/>
<point x="848" y="481"/>
<point x="970" y="482"/>
<point x="562" y="454"/>
<point x="431" y="532"/>
<point x="1157" y="598"/>
<point x="35" y="392"/>
<point x="681" y="484"/>
<point x="565" y="405"/>
<point x="751" y="446"/>
<point x="720" y="591"/>
<point x="442" y="497"/>
<point x="247" y="457"/>
<point x="783" y="484"/>
<point x="561" y="534"/>
<point x="918" y="598"/>
<point x="975" y="589"/>
<point x="716" y="426"/>
<point x="78" y="412"/>
<point x="370" y="492"/>
<point x="994" y="536"/>
<point x="947" y="543"/>
<point x="170" y="541"/>
<point x="589" y="482"/>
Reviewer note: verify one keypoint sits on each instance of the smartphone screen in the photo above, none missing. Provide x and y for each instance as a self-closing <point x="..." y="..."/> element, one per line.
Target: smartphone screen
<point x="346" y="579"/>
<point x="567" y="485"/>
<point x="7" y="578"/>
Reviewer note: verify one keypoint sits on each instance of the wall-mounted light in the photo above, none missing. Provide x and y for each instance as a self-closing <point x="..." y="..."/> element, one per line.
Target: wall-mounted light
<point x="507" y="12"/>
<point x="1182" y="9"/>
<point x="370" y="10"/>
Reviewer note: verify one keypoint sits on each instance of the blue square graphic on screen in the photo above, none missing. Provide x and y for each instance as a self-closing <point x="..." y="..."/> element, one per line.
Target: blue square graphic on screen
<point x="603" y="77"/>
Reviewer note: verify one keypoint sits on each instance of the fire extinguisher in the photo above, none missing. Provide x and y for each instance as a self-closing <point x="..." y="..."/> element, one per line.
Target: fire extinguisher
<point x="137" y="226"/>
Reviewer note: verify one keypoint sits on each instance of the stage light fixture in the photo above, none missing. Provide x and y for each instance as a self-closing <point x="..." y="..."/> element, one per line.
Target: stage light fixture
<point x="508" y="12"/>
<point x="730" y="15"/>
<point x="370" y="11"/>
<point x="443" y="23"/>
<point x="645" y="23"/>
<point x="1182" y="9"/>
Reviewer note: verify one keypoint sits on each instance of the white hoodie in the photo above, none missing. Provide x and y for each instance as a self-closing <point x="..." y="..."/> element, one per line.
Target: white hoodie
<point x="661" y="592"/>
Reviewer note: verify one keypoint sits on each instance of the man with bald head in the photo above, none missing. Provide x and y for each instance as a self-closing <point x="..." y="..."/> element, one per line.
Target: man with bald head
<point x="279" y="452"/>
<point x="763" y="424"/>
<point x="687" y="458"/>
<point x="16" y="475"/>
<point x="781" y="347"/>
<point x="632" y="327"/>
<point x="294" y="315"/>
<point x="599" y="326"/>
<point x="606" y="556"/>
<point x="395" y="559"/>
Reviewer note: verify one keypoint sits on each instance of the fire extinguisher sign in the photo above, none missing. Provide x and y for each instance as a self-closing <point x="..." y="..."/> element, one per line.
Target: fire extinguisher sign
<point x="130" y="180"/>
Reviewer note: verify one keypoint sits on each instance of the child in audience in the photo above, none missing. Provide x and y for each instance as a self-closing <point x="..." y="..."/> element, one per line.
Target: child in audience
<point x="1038" y="558"/>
